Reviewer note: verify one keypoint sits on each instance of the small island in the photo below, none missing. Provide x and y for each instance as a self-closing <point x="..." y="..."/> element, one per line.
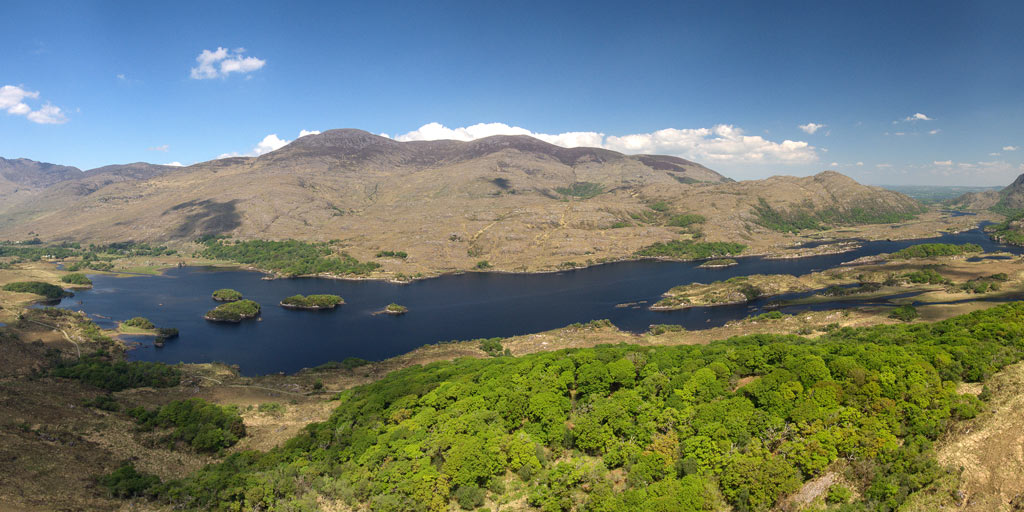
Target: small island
<point x="137" y="325"/>
<point x="233" y="312"/>
<point x="737" y="290"/>
<point x="396" y="309"/>
<point x="719" y="263"/>
<point x="227" y="295"/>
<point x="143" y="326"/>
<point x="312" y="302"/>
<point x="163" y="334"/>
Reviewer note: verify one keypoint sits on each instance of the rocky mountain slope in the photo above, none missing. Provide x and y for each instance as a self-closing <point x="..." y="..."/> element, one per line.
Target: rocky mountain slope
<point x="1009" y="199"/>
<point x="515" y="201"/>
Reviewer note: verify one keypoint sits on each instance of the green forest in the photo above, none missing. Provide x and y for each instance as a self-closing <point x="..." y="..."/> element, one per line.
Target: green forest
<point x="290" y="257"/>
<point x="50" y="291"/>
<point x="690" y="250"/>
<point x="933" y="250"/>
<point x="740" y="422"/>
<point x="315" y="301"/>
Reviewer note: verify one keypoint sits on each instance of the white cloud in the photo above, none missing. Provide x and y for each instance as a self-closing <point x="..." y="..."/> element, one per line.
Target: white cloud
<point x="175" y="164"/>
<point x="934" y="132"/>
<point x="884" y="166"/>
<point x="48" y="114"/>
<point x="810" y="128"/>
<point x="12" y="100"/>
<point x="834" y="164"/>
<point x="222" y="62"/>
<point x="943" y="162"/>
<point x="19" y="109"/>
<point x="120" y="76"/>
<point x="994" y="154"/>
<point x="1010" y="148"/>
<point x="163" y="148"/>
<point x="993" y="172"/>
<point x="918" y="117"/>
<point x="860" y="164"/>
<point x="437" y="131"/>
<point x="720" y="143"/>
<point x="269" y="143"/>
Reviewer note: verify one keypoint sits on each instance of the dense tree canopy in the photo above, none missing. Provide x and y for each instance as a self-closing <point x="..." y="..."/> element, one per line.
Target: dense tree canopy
<point x="290" y="257"/>
<point x="615" y="428"/>
<point x="50" y="291"/>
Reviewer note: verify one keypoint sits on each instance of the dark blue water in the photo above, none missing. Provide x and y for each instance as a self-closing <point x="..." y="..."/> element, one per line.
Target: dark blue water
<point x="457" y="307"/>
<point x="957" y="213"/>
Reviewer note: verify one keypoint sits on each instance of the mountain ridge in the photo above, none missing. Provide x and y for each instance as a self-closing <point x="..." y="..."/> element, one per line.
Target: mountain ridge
<point x="515" y="201"/>
<point x="1006" y="200"/>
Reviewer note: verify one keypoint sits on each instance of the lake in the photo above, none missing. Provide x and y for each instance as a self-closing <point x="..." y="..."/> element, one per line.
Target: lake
<point x="455" y="307"/>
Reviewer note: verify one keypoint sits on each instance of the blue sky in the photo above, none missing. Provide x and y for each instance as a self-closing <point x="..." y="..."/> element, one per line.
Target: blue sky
<point x="728" y="84"/>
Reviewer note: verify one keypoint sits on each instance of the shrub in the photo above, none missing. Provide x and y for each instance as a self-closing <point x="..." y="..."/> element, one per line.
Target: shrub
<point x="118" y="376"/>
<point x="103" y="402"/>
<point x="139" y="322"/>
<point x="206" y="427"/>
<point x="492" y="346"/>
<point x="483" y="264"/>
<point x="50" y="291"/>
<point x="234" y="311"/>
<point x="686" y="219"/>
<point x="905" y="313"/>
<point x="771" y="315"/>
<point x="392" y="254"/>
<point x="927" y="276"/>
<point x="127" y="482"/>
<point x="313" y="301"/>
<point x="659" y="329"/>
<point x="838" y="494"/>
<point x="581" y="189"/>
<point x="659" y="206"/>
<point x="273" y="408"/>
<point x="469" y="497"/>
<point x="934" y="250"/>
<point x="76" y="278"/>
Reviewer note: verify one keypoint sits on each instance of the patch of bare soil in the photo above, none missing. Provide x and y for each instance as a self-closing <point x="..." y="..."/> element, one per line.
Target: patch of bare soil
<point x="989" y="450"/>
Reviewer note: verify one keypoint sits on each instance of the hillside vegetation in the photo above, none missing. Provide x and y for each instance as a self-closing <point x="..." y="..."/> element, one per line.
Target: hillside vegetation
<point x="744" y="422"/>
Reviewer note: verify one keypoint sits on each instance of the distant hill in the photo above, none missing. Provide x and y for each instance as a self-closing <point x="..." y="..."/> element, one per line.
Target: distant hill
<point x="1006" y="201"/>
<point x="936" y="194"/>
<point x="515" y="201"/>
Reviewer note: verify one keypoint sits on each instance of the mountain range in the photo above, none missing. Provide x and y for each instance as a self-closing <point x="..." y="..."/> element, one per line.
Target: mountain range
<point x="513" y="200"/>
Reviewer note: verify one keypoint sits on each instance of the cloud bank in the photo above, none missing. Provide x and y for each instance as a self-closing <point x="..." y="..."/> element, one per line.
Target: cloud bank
<point x="12" y="100"/>
<point x="721" y="143"/>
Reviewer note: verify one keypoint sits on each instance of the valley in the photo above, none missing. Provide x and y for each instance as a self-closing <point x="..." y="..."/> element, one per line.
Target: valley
<point x="504" y="251"/>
